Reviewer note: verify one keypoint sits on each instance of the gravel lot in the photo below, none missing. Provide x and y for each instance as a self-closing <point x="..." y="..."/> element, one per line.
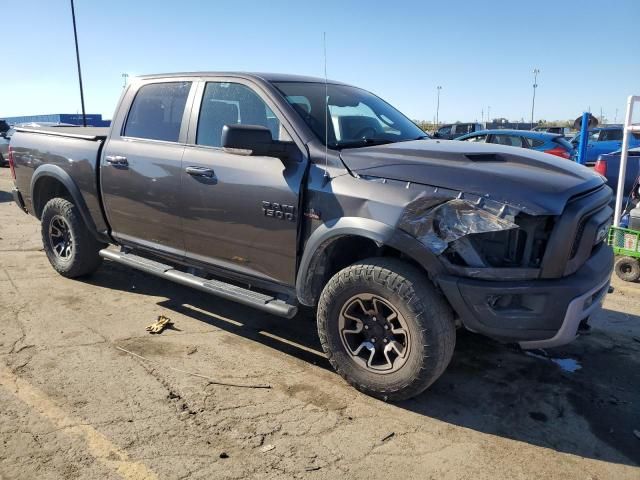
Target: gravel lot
<point x="75" y="406"/>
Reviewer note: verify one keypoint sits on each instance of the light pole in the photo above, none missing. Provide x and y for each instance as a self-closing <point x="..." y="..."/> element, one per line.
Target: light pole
<point x="75" y="35"/>
<point x="488" y="114"/>
<point x="438" y="106"/>
<point x="535" y="85"/>
<point x="125" y="77"/>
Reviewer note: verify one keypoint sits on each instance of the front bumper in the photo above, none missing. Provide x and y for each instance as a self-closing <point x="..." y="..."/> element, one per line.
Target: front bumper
<point x="534" y="313"/>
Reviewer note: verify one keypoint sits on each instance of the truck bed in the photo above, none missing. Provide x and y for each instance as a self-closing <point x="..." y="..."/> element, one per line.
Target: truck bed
<point x="70" y="154"/>
<point x="86" y="133"/>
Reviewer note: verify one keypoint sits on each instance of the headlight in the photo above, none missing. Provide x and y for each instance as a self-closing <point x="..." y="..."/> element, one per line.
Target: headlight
<point x="450" y="221"/>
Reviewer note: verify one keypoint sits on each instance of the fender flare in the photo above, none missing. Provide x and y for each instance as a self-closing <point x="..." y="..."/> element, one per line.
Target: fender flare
<point x="381" y="233"/>
<point x="57" y="173"/>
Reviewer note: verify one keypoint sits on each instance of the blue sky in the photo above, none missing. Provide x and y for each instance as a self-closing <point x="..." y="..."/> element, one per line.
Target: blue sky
<point x="481" y="53"/>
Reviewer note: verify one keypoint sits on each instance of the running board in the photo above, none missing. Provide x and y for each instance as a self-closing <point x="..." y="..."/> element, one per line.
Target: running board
<point x="227" y="291"/>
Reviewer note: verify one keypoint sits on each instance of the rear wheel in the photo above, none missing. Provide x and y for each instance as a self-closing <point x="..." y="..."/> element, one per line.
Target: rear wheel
<point x="385" y="328"/>
<point x="627" y="269"/>
<point x="70" y="247"/>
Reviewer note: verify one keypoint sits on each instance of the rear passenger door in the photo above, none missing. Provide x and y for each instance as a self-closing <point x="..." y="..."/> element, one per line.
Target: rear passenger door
<point x="242" y="213"/>
<point x="141" y="166"/>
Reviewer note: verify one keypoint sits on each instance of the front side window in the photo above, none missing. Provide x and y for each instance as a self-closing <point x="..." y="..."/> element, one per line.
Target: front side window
<point x="157" y="111"/>
<point x="351" y="117"/>
<point x="227" y="103"/>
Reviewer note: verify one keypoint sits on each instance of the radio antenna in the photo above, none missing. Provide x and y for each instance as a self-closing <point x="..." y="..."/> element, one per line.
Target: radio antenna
<point x="326" y="111"/>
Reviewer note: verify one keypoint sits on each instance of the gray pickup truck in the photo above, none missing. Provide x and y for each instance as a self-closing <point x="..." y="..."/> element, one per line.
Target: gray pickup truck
<point x="277" y="191"/>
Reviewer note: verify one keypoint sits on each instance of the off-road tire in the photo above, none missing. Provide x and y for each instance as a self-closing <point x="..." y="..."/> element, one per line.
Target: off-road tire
<point x="84" y="258"/>
<point x="627" y="269"/>
<point x="427" y="314"/>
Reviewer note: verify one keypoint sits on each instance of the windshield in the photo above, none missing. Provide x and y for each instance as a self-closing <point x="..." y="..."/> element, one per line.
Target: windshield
<point x="356" y="118"/>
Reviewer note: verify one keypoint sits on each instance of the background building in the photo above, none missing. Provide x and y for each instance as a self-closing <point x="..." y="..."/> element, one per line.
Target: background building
<point x="93" y="119"/>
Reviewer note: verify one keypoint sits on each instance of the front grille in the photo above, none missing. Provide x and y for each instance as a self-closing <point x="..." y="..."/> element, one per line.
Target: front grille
<point x="578" y="238"/>
<point x="572" y="241"/>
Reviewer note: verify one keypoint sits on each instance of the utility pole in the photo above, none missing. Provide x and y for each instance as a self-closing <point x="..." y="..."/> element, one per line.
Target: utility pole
<point x="535" y="85"/>
<point x="615" y="119"/>
<point x="75" y="35"/>
<point x="125" y="77"/>
<point x="482" y="115"/>
<point x="488" y="114"/>
<point x="438" y="106"/>
<point x="601" y="117"/>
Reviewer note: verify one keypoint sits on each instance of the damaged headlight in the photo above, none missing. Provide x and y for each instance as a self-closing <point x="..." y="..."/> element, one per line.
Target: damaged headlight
<point x="437" y="226"/>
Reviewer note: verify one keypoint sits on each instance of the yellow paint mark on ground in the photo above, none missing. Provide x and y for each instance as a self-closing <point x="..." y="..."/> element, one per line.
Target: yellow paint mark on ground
<point x="98" y="445"/>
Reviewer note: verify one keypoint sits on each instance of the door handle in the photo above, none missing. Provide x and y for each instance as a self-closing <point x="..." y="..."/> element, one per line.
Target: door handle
<point x="200" y="172"/>
<point x="116" y="160"/>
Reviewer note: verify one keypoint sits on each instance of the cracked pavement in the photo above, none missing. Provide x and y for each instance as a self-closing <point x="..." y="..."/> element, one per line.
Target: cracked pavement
<point x="74" y="406"/>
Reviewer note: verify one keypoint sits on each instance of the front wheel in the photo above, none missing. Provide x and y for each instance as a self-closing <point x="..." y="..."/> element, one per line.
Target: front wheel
<point x="70" y="247"/>
<point x="385" y="328"/>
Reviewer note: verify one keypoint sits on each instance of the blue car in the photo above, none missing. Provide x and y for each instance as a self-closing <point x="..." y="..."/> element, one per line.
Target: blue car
<point x="603" y="140"/>
<point x="551" y="143"/>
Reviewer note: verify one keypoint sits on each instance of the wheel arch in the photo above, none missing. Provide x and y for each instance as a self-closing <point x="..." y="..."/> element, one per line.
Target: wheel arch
<point x="359" y="238"/>
<point x="51" y="181"/>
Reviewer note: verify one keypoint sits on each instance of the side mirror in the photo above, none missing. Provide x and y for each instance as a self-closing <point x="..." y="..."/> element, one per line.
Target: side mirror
<point x="256" y="138"/>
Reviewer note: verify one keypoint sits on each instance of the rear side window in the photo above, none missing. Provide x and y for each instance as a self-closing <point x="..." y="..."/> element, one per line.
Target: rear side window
<point x="535" y="142"/>
<point x="157" y="110"/>
<point x="508" y="140"/>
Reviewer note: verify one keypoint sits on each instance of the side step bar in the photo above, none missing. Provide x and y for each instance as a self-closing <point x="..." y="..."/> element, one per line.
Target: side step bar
<point x="228" y="291"/>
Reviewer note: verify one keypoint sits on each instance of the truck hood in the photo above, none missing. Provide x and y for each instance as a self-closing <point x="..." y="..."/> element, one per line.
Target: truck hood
<point x="535" y="182"/>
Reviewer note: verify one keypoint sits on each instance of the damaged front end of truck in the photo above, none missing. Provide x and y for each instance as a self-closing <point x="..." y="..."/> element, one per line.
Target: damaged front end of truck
<point x="478" y="237"/>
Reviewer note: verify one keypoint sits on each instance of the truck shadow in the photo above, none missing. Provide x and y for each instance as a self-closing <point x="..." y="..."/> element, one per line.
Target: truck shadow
<point x="5" y="196"/>
<point x="557" y="399"/>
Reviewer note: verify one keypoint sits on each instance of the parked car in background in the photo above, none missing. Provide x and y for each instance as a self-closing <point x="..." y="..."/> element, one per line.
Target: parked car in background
<point x="553" y="144"/>
<point x="455" y="130"/>
<point x="608" y="165"/>
<point x="5" y="137"/>
<point x="604" y="140"/>
<point x="564" y="131"/>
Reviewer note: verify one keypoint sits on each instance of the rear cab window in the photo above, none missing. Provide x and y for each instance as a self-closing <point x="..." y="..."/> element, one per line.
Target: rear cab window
<point x="157" y="111"/>
<point x="613" y="134"/>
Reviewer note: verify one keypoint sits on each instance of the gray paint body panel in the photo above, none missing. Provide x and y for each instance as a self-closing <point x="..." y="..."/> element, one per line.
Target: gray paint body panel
<point x="219" y="224"/>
